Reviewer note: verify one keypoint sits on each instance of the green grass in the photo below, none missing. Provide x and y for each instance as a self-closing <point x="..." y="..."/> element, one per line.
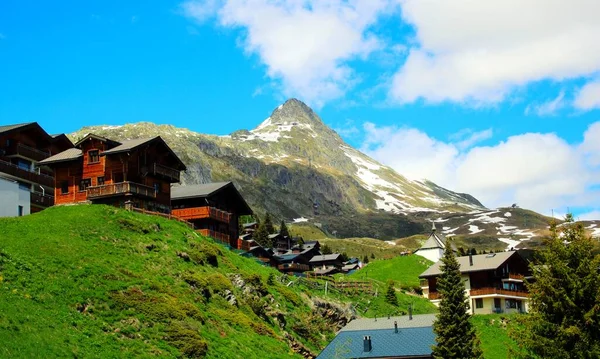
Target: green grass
<point x="96" y="281"/>
<point x="493" y="331"/>
<point x="359" y="247"/>
<point x="404" y="270"/>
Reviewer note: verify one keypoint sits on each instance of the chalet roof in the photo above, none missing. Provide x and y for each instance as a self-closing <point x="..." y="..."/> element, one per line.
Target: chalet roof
<point x="275" y="235"/>
<point x="325" y="257"/>
<point x="64" y="156"/>
<point x="287" y="257"/>
<point x="7" y="128"/>
<point x="435" y="240"/>
<point x="130" y="145"/>
<point x="197" y="190"/>
<point x="480" y="262"/>
<point x="385" y="343"/>
<point x="246" y="225"/>
<point x="103" y="139"/>
<point x="403" y="321"/>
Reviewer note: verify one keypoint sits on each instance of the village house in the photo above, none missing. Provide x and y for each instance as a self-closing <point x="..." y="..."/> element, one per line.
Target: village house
<point x="327" y="263"/>
<point x="494" y="283"/>
<point x="434" y="246"/>
<point x="408" y="336"/>
<point x="25" y="187"/>
<point x="213" y="208"/>
<point x="134" y="173"/>
<point x="291" y="263"/>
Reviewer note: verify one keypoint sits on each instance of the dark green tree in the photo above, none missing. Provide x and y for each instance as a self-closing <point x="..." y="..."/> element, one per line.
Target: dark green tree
<point x="390" y="294"/>
<point x="365" y="259"/>
<point x="344" y="256"/>
<point x="372" y="256"/>
<point x="261" y="236"/>
<point x="326" y="249"/>
<point x="564" y="319"/>
<point x="455" y="335"/>
<point x="268" y="223"/>
<point x="283" y="230"/>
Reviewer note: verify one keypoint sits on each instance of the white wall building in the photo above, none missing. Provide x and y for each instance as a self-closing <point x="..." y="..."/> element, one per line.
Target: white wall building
<point x="434" y="246"/>
<point x="14" y="200"/>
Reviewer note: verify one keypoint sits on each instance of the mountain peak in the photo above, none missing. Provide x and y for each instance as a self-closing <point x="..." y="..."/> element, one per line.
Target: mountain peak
<point x="296" y="111"/>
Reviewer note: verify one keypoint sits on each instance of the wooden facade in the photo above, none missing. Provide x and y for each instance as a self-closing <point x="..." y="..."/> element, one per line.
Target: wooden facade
<point x="22" y="147"/>
<point x="213" y="208"/>
<point x="136" y="173"/>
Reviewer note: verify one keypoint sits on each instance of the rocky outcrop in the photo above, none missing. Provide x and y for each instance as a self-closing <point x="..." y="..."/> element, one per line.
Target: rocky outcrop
<point x="336" y="314"/>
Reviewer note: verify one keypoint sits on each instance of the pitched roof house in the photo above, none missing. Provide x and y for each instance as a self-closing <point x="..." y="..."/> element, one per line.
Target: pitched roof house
<point x="433" y="248"/>
<point x="494" y="283"/>
<point x="136" y="173"/>
<point x="213" y="208"/>
<point x="24" y="186"/>
<point x="395" y="337"/>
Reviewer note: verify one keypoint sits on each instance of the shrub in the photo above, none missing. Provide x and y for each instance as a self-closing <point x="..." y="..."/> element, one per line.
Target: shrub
<point x="187" y="339"/>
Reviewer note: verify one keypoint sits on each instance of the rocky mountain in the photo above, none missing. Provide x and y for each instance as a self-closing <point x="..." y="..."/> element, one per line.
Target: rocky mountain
<point x="300" y="170"/>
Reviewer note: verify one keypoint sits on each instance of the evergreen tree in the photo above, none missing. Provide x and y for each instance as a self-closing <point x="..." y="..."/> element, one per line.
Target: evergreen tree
<point x="283" y="230"/>
<point x="372" y="256"/>
<point x="344" y="257"/>
<point x="261" y="236"/>
<point x="326" y="249"/>
<point x="455" y="336"/>
<point x="365" y="259"/>
<point x="268" y="223"/>
<point x="390" y="294"/>
<point x="564" y="319"/>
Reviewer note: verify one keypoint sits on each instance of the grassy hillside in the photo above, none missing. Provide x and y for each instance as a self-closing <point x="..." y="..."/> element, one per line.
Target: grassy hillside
<point x="404" y="270"/>
<point x="95" y="281"/>
<point x="493" y="331"/>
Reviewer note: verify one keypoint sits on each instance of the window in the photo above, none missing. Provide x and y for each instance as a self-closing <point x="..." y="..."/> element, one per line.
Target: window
<point x="85" y="183"/>
<point x="156" y="187"/>
<point x="479" y="303"/>
<point x="93" y="156"/>
<point x="24" y="186"/>
<point x="20" y="211"/>
<point x="100" y="181"/>
<point x="64" y="187"/>
<point x="511" y="304"/>
<point x="24" y="164"/>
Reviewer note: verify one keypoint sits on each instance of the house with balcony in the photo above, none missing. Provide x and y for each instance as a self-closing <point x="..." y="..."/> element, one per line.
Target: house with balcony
<point x="26" y="187"/>
<point x="133" y="174"/>
<point x="213" y="208"/>
<point x="494" y="283"/>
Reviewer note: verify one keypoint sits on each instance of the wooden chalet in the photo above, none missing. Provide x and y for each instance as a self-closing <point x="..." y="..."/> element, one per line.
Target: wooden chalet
<point x="22" y="147"/>
<point x="134" y="173"/>
<point x="327" y="263"/>
<point x="494" y="282"/>
<point x="213" y="208"/>
<point x="291" y="263"/>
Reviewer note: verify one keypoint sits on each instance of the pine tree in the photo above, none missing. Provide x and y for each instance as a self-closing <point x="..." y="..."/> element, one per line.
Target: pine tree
<point x="455" y="335"/>
<point x="564" y="319"/>
<point x="268" y="223"/>
<point x="326" y="249"/>
<point x="390" y="294"/>
<point x="365" y="259"/>
<point x="283" y="230"/>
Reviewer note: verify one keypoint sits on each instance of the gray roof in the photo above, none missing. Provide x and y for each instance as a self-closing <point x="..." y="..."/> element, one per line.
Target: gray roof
<point x="128" y="145"/>
<point x="67" y="155"/>
<point x="385" y="343"/>
<point x="7" y="128"/>
<point x="420" y="320"/>
<point x="325" y="257"/>
<point x="480" y="262"/>
<point x="197" y="190"/>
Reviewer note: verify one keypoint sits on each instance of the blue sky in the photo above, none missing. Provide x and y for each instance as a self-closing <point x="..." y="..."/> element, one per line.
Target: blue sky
<point x="497" y="100"/>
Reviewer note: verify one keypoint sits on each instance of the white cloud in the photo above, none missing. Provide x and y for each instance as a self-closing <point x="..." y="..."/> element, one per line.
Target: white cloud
<point x="540" y="171"/>
<point x="304" y="44"/>
<point x="478" y="52"/>
<point x="467" y="137"/>
<point x="548" y="108"/>
<point x="588" y="216"/>
<point x="588" y="97"/>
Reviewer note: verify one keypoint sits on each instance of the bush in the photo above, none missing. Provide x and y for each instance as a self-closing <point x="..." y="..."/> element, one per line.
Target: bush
<point x="187" y="339"/>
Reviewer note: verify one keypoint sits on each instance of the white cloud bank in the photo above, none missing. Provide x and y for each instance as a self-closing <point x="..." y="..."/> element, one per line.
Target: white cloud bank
<point x="588" y="97"/>
<point x="305" y="44"/>
<point x="540" y="171"/>
<point x="479" y="52"/>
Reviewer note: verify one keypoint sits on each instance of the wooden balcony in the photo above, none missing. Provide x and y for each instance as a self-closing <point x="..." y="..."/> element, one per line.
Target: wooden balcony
<point x="515" y="277"/>
<point x="221" y="237"/>
<point x="293" y="267"/>
<point x="41" y="200"/>
<point x="498" y="291"/>
<point x="121" y="188"/>
<point x="164" y="171"/>
<point x="202" y="212"/>
<point x="26" y="175"/>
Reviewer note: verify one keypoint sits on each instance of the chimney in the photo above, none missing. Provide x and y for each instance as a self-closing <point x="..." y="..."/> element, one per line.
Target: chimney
<point x="410" y="312"/>
<point x="470" y="258"/>
<point x="367" y="343"/>
<point x="395" y="327"/>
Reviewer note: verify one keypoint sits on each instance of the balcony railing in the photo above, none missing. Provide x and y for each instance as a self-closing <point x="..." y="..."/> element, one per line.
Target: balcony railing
<point x="515" y="276"/>
<point x="221" y="237"/>
<point x="24" y="174"/>
<point x="120" y="188"/>
<point x="202" y="212"/>
<point x="41" y="199"/>
<point x="28" y="152"/>
<point x="160" y="170"/>
<point x="498" y="291"/>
